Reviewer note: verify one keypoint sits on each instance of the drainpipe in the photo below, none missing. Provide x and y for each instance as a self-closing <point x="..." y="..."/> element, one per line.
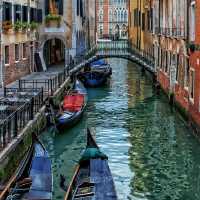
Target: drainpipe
<point x="140" y="24"/>
<point x="1" y="50"/>
<point x="188" y="20"/>
<point x="137" y="22"/>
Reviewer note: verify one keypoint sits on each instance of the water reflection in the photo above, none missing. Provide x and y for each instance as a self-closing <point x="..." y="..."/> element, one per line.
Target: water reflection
<point x="152" y="155"/>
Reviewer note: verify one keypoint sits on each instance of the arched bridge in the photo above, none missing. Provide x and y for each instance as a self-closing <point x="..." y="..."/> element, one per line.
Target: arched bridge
<point x="124" y="49"/>
<point x="120" y="49"/>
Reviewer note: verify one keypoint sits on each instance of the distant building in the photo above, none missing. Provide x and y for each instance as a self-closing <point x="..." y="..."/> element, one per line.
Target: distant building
<point x="18" y="25"/>
<point x="112" y="18"/>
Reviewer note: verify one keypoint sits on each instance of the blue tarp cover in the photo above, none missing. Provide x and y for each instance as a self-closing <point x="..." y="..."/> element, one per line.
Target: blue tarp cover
<point x="101" y="176"/>
<point x="41" y="175"/>
<point x="99" y="62"/>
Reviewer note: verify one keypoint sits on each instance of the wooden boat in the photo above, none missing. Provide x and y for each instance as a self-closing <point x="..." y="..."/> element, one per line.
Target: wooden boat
<point x="96" y="74"/>
<point x="33" y="178"/>
<point x="73" y="107"/>
<point x="102" y="66"/>
<point x="92" y="179"/>
<point x="93" y="78"/>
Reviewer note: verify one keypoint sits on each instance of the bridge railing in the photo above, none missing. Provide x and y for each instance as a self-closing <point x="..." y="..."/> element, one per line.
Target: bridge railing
<point x="113" y="45"/>
<point x="125" y="47"/>
<point x="142" y="54"/>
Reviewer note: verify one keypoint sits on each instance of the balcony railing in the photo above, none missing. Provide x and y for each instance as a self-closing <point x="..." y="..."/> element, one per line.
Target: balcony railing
<point x="171" y="32"/>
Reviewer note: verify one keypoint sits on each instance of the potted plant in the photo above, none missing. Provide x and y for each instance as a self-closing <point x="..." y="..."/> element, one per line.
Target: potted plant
<point x="33" y="25"/>
<point x="25" y="26"/>
<point x="17" y="26"/>
<point x="53" y="20"/>
<point x="6" y="25"/>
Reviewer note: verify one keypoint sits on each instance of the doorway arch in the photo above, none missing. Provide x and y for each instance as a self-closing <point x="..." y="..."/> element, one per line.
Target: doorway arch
<point x="54" y="52"/>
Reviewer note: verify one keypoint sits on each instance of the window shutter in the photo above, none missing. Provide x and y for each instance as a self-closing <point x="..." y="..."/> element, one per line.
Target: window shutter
<point x="81" y="8"/>
<point x="61" y="7"/>
<point x="46" y="7"/>
<point x="24" y="13"/>
<point x="78" y="7"/>
<point x="4" y="11"/>
<point x="39" y="15"/>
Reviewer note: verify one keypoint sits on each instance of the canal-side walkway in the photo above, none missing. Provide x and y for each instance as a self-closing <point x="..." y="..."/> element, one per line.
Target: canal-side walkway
<point x="17" y="127"/>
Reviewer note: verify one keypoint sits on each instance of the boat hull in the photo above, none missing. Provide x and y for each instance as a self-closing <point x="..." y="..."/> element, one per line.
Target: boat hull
<point x="92" y="178"/>
<point x="72" y="120"/>
<point x="69" y="123"/>
<point x="89" y="80"/>
<point x="24" y="182"/>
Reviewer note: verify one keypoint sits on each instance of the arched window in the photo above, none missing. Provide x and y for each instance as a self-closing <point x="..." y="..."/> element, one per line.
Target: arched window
<point x="115" y="15"/>
<point x="110" y="15"/>
<point x="122" y="16"/>
<point x="118" y="16"/>
<point x="125" y="16"/>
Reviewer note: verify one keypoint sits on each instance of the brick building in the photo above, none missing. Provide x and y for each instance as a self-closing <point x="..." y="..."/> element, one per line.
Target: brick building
<point x="194" y="48"/>
<point x="112" y="18"/>
<point x="18" y="24"/>
<point x="169" y="31"/>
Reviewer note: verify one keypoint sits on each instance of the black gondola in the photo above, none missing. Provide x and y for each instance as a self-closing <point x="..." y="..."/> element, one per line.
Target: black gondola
<point x="96" y="74"/>
<point x="71" y="114"/>
<point x="33" y="178"/>
<point x="92" y="179"/>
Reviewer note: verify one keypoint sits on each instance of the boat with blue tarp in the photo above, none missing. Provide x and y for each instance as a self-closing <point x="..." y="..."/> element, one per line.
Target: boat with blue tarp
<point x="92" y="179"/>
<point x="95" y="74"/>
<point x="33" y="179"/>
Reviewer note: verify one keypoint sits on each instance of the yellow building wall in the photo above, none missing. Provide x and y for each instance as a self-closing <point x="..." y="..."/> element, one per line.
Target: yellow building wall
<point x="136" y="34"/>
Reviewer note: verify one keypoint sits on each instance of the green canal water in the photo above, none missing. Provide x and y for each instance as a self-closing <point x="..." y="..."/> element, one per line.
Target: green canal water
<point x="152" y="154"/>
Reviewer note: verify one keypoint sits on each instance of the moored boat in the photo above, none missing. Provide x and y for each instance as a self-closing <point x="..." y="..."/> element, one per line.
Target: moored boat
<point x="95" y="74"/>
<point x="73" y="107"/>
<point x="92" y="179"/>
<point x="33" y="178"/>
<point x="93" y="78"/>
<point x="102" y="66"/>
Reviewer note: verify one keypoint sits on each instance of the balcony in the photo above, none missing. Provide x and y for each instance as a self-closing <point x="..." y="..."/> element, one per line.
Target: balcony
<point x="170" y="32"/>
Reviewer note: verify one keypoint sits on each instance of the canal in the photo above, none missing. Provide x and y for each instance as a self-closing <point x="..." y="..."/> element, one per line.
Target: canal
<point x="152" y="154"/>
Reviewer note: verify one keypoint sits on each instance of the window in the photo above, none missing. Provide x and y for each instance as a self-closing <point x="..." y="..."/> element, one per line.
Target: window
<point x="166" y="61"/>
<point x="6" y="55"/>
<point x="187" y="72"/>
<point x="24" y="52"/>
<point x="192" y="21"/>
<point x="177" y="67"/>
<point x="17" y="12"/>
<point x="143" y="21"/>
<point x="24" y="13"/>
<point x="57" y="8"/>
<point x="7" y="11"/>
<point x="192" y="81"/>
<point x="16" y="52"/>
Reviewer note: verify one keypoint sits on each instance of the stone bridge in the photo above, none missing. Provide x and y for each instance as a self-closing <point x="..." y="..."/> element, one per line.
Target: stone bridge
<point x="122" y="49"/>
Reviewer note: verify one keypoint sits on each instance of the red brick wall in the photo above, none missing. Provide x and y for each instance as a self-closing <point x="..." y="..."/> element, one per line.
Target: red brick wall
<point x="181" y="96"/>
<point x="16" y="70"/>
<point x="163" y="79"/>
<point x="194" y="107"/>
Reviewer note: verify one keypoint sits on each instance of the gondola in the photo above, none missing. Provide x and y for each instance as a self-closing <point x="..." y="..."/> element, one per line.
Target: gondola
<point x="96" y="74"/>
<point x="73" y="107"/>
<point x="102" y="66"/>
<point x="92" y="179"/>
<point x="93" y="79"/>
<point x="33" y="178"/>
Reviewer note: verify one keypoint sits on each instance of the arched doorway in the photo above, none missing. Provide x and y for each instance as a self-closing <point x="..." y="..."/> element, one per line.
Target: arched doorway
<point x="54" y="53"/>
<point x="124" y="32"/>
<point x="117" y="32"/>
